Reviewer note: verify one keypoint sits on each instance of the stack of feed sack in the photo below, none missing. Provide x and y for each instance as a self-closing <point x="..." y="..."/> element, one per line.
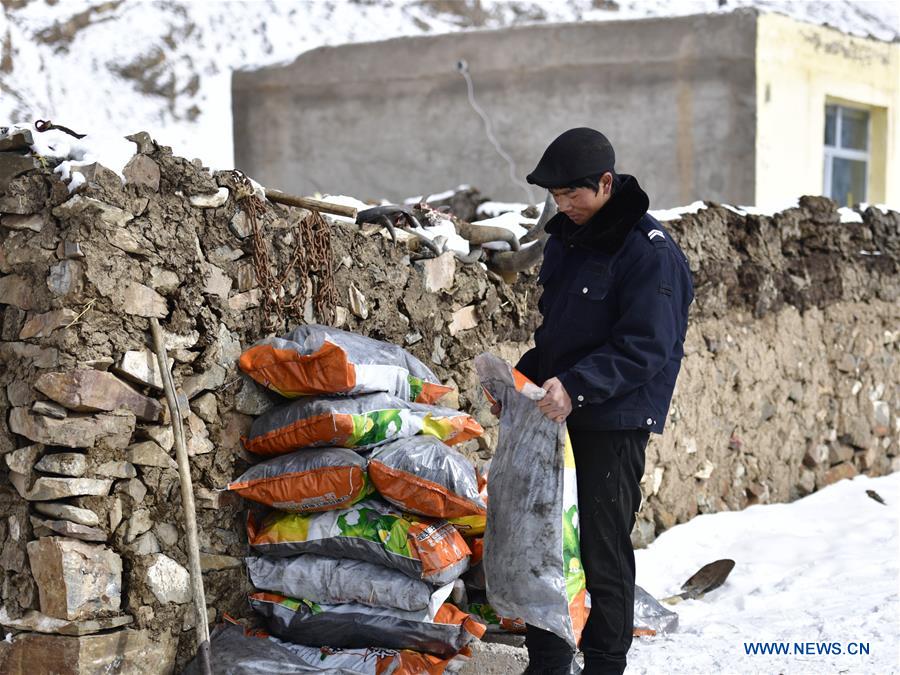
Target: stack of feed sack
<point x="336" y="564"/>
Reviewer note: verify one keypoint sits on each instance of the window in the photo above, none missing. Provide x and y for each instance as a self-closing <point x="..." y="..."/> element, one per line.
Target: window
<point x="846" y="154"/>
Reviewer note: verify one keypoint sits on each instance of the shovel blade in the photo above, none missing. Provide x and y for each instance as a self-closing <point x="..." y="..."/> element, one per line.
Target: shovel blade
<point x="707" y="578"/>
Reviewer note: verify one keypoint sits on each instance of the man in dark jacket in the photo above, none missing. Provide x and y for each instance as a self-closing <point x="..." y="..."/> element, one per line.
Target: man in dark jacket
<point x="615" y="306"/>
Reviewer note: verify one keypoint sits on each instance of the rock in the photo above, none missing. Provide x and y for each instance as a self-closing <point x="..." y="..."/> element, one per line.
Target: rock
<point x="227" y="348"/>
<point x="838" y="452"/>
<point x="35" y="621"/>
<point x="119" y="651"/>
<point x="75" y="580"/>
<point x="174" y="341"/>
<point x="149" y="453"/>
<point x="12" y="165"/>
<point x="16" y="140"/>
<point x="96" y="391"/>
<point x="816" y="455"/>
<point x="838" y="472"/>
<point x="213" y="562"/>
<point x="68" y="512"/>
<point x="198" y="443"/>
<point x="47" y="489"/>
<point x="33" y="222"/>
<point x="66" y="528"/>
<point x="190" y="618"/>
<point x="103" y="363"/>
<point x="206" y="408"/>
<point x="20" y="393"/>
<point x="141" y="300"/>
<point x="143" y="172"/>
<point x="63" y="463"/>
<point x="224" y="255"/>
<point x="40" y="357"/>
<point x="163" y="436"/>
<point x="134" y="489"/>
<point x="69" y="250"/>
<point x="49" y="409"/>
<point x="167" y="580"/>
<point x="463" y="319"/>
<point x="358" y="304"/>
<point x="42" y="325"/>
<point x="240" y="225"/>
<point x="881" y="413"/>
<point x="127" y="241"/>
<point x="146" y="544"/>
<point x="212" y="378"/>
<point x="115" y="514"/>
<point x="116" y="469"/>
<point x="246" y="277"/>
<point x="214" y="499"/>
<point x="74" y="431"/>
<point x="245" y="301"/>
<point x="705" y="471"/>
<point x="210" y="201"/>
<point x="438" y="353"/>
<point x="216" y="281"/>
<point x="867" y="459"/>
<point x="139" y="523"/>
<point x="23" y="460"/>
<point x="66" y="277"/>
<point x="166" y="533"/>
<point x="438" y="273"/>
<point x="12" y="322"/>
<point x="847" y="363"/>
<point x="17" y="291"/>
<point x="341" y="314"/>
<point x="163" y="280"/>
<point x="145" y="144"/>
<point x="141" y="367"/>
<point x="183" y="405"/>
<point x="79" y="206"/>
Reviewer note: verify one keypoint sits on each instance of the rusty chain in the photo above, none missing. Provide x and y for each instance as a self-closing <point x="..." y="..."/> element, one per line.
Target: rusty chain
<point x="310" y="264"/>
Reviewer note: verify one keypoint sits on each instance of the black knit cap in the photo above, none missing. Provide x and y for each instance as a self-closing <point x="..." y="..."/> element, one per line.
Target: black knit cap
<point x="573" y="155"/>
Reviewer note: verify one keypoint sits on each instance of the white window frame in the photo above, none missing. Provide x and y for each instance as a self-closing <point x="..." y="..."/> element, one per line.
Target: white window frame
<point x="833" y="152"/>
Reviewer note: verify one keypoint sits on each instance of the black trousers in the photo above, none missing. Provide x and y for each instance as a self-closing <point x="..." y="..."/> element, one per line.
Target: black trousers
<point x="609" y="466"/>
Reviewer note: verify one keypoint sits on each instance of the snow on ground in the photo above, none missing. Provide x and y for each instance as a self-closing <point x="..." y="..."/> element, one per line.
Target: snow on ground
<point x="823" y="569"/>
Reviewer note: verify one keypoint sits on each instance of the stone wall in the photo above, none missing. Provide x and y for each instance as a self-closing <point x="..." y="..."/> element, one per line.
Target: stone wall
<point x="786" y="386"/>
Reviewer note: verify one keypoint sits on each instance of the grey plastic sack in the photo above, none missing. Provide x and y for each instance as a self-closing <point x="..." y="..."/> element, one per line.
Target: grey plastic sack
<point x="335" y="580"/>
<point x="442" y="631"/>
<point x="532" y="561"/>
<point x="323" y="360"/>
<point x="649" y="613"/>
<point x="422" y="475"/>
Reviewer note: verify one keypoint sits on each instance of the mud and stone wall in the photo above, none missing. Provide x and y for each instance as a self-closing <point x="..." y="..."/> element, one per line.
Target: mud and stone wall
<point x="789" y="380"/>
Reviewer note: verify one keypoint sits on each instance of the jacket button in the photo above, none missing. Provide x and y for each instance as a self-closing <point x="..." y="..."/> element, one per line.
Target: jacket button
<point x="580" y="398"/>
<point x="584" y="290"/>
<point x="649" y="421"/>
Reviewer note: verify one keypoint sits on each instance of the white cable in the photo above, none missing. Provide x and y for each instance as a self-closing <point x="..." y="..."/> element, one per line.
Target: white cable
<point x="463" y="68"/>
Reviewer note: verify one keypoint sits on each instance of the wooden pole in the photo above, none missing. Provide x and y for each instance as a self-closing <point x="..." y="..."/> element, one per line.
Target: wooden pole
<point x="312" y="204"/>
<point x="187" y="498"/>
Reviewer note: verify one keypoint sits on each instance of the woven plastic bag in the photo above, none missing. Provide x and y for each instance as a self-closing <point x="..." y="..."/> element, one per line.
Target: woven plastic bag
<point x="372" y="531"/>
<point x="317" y="479"/>
<point x="360" y="422"/>
<point x="532" y="561"/>
<point x="422" y="475"/>
<point x="317" y="359"/>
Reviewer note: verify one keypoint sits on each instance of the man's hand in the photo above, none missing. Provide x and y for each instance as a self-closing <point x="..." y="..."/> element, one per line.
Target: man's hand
<point x="556" y="404"/>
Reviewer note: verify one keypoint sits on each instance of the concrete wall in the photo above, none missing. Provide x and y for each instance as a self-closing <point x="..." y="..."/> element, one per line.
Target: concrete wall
<point x="802" y="67"/>
<point x="676" y="96"/>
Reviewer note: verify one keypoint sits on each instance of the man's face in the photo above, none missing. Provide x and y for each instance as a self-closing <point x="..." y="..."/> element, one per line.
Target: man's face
<point x="580" y="204"/>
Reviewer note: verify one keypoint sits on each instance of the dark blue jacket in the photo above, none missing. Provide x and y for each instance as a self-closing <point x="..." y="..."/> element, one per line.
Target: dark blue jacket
<point x="615" y="309"/>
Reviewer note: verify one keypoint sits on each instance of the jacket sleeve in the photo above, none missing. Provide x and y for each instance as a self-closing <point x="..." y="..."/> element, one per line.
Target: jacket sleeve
<point x="641" y="341"/>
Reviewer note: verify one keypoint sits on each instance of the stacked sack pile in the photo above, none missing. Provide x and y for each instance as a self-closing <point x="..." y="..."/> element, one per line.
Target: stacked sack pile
<point x="358" y="537"/>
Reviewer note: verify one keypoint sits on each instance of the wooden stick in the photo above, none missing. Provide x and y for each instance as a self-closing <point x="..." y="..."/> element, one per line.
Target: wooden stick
<point x="187" y="498"/>
<point x="311" y="204"/>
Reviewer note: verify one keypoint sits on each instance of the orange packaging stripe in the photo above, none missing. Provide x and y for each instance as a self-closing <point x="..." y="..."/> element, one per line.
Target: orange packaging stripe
<point x="438" y="544"/>
<point x="450" y="614"/>
<point x="477" y="547"/>
<point x="432" y="392"/>
<point x="419" y="495"/>
<point x="344" y="482"/>
<point x="292" y="374"/>
<point x="328" y="429"/>
<point x="578" y="612"/>
<point x="519" y="379"/>
<point x="466" y="429"/>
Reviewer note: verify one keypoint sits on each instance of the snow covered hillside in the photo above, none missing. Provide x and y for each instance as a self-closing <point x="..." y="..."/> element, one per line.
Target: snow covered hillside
<point x="164" y="66"/>
<point x="820" y="572"/>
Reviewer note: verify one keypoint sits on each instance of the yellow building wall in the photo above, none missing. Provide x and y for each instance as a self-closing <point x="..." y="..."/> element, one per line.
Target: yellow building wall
<point x="801" y="68"/>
